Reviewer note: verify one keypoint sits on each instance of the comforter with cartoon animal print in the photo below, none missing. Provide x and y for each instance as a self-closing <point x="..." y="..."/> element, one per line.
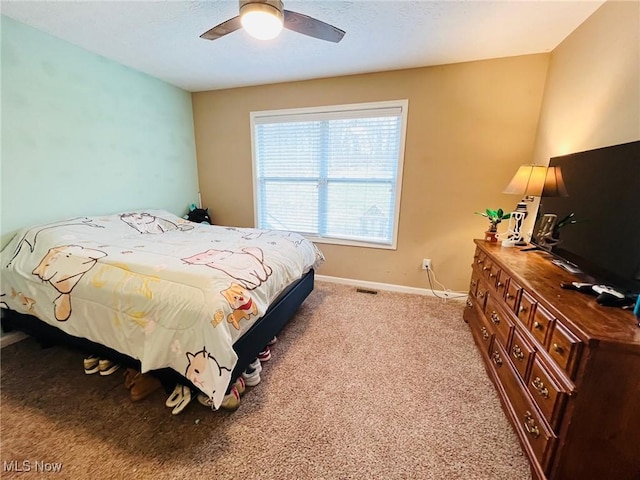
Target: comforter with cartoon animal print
<point x="151" y="285"/>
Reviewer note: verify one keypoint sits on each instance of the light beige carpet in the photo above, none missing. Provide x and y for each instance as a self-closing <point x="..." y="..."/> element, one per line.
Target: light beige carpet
<point x="360" y="386"/>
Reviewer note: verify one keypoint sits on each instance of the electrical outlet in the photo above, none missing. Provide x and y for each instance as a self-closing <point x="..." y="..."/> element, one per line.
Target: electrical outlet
<point x="426" y="263"/>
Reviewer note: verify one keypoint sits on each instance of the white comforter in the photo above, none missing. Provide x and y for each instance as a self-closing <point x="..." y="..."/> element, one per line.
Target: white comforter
<point x="153" y="286"/>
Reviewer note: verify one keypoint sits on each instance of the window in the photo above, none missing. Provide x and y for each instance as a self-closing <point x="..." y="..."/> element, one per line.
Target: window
<point x="331" y="173"/>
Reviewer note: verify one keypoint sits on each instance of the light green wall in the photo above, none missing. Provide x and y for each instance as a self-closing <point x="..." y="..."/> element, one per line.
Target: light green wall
<point x="83" y="135"/>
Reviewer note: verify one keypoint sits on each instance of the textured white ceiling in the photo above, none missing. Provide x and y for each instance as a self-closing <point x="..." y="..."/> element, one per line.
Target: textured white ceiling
<point x="161" y="38"/>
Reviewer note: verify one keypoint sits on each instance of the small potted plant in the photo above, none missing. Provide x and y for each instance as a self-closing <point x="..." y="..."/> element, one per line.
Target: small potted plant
<point x="494" y="217"/>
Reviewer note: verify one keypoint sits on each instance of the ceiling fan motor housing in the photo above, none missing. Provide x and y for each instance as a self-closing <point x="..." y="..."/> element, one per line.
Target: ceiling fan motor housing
<point x="273" y="7"/>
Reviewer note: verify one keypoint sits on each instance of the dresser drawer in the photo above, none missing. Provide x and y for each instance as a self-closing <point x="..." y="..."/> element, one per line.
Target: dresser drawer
<point x="541" y="325"/>
<point x="494" y="275"/>
<point x="482" y="333"/>
<point x="481" y="294"/>
<point x="501" y="283"/>
<point x="485" y="268"/>
<point x="499" y="321"/>
<point x="512" y="295"/>
<point x="565" y="348"/>
<point x="532" y="428"/>
<point x="521" y="353"/>
<point x="548" y="392"/>
<point x="473" y="284"/>
<point x="526" y="308"/>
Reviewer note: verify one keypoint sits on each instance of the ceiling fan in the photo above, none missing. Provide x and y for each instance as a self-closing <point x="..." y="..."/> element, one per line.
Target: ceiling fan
<point x="264" y="19"/>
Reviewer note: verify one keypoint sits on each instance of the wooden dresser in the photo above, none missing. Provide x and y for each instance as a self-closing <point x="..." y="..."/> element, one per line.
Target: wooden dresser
<point x="567" y="370"/>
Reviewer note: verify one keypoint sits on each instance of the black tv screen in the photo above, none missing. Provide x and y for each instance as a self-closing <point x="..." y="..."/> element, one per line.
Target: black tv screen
<point x="603" y="187"/>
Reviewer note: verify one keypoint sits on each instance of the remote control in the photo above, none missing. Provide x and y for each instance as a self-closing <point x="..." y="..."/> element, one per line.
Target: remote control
<point x="607" y="289"/>
<point x="579" y="286"/>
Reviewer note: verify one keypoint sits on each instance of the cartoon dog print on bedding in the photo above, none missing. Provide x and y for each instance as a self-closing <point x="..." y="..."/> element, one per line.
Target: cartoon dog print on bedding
<point x="203" y="369"/>
<point x="63" y="267"/>
<point x="241" y="303"/>
<point x="246" y="266"/>
<point x="147" y="223"/>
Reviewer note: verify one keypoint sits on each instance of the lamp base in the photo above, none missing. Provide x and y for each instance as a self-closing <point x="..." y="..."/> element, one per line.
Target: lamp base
<point x="514" y="243"/>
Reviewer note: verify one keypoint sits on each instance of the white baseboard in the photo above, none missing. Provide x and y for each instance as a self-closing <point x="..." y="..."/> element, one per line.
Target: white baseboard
<point x="8" y="338"/>
<point x="393" y="288"/>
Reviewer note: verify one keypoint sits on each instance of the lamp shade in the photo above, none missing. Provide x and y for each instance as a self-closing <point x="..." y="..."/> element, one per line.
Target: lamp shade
<point x="262" y="20"/>
<point x="537" y="181"/>
<point x="554" y="183"/>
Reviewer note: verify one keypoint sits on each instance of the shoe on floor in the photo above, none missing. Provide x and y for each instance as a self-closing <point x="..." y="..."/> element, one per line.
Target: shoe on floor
<point x="272" y="342"/>
<point x="176" y="396"/>
<point x="130" y="375"/>
<point x="251" y="377"/>
<point x="143" y="386"/>
<point x="179" y="399"/>
<point x="240" y="385"/>
<point x="107" y="367"/>
<point x="265" y="355"/>
<point x="255" y="365"/>
<point x="204" y="400"/>
<point x="91" y="364"/>
<point x="231" y="401"/>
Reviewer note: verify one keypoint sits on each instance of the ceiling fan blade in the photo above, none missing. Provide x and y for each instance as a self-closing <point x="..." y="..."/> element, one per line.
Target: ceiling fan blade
<point x="312" y="27"/>
<point x="218" y="31"/>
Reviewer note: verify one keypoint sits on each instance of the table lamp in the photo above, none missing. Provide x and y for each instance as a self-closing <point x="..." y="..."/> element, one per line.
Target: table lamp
<point x="532" y="181"/>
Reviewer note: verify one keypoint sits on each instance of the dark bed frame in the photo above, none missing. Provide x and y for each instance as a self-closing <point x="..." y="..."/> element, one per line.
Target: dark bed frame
<point x="246" y="347"/>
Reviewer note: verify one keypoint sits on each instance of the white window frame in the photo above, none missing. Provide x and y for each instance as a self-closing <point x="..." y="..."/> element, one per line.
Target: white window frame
<point x="346" y="108"/>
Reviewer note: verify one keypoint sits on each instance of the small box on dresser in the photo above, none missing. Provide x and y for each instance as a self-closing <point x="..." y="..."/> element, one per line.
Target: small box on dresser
<point x="566" y="369"/>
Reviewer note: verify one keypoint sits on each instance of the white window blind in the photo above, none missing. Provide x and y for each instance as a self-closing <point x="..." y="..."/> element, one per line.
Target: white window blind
<point x="331" y="173"/>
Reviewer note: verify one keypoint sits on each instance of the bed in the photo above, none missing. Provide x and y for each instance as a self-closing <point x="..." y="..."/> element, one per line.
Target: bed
<point x="147" y="288"/>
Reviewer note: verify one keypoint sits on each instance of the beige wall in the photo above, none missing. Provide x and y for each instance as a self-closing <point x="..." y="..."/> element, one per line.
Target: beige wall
<point x="469" y="126"/>
<point x="592" y="96"/>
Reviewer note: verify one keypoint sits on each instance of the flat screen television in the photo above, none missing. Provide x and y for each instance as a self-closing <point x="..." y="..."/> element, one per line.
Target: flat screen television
<point x="603" y="187"/>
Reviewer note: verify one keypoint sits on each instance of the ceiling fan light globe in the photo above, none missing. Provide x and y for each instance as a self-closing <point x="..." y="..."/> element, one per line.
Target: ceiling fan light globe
<point x="261" y="21"/>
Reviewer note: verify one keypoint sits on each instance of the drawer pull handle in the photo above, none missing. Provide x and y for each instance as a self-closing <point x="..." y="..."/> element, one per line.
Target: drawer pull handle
<point x="509" y="296"/>
<point x="479" y="262"/>
<point x="481" y="295"/>
<point x="484" y="269"/>
<point x="530" y="425"/>
<point x="469" y="303"/>
<point x="474" y="283"/>
<point x="496" y="358"/>
<point x="495" y="318"/>
<point x="538" y="326"/>
<point x="540" y="388"/>
<point x="517" y="352"/>
<point x="485" y="334"/>
<point x="522" y="309"/>
<point x="557" y="348"/>
<point x="500" y="284"/>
